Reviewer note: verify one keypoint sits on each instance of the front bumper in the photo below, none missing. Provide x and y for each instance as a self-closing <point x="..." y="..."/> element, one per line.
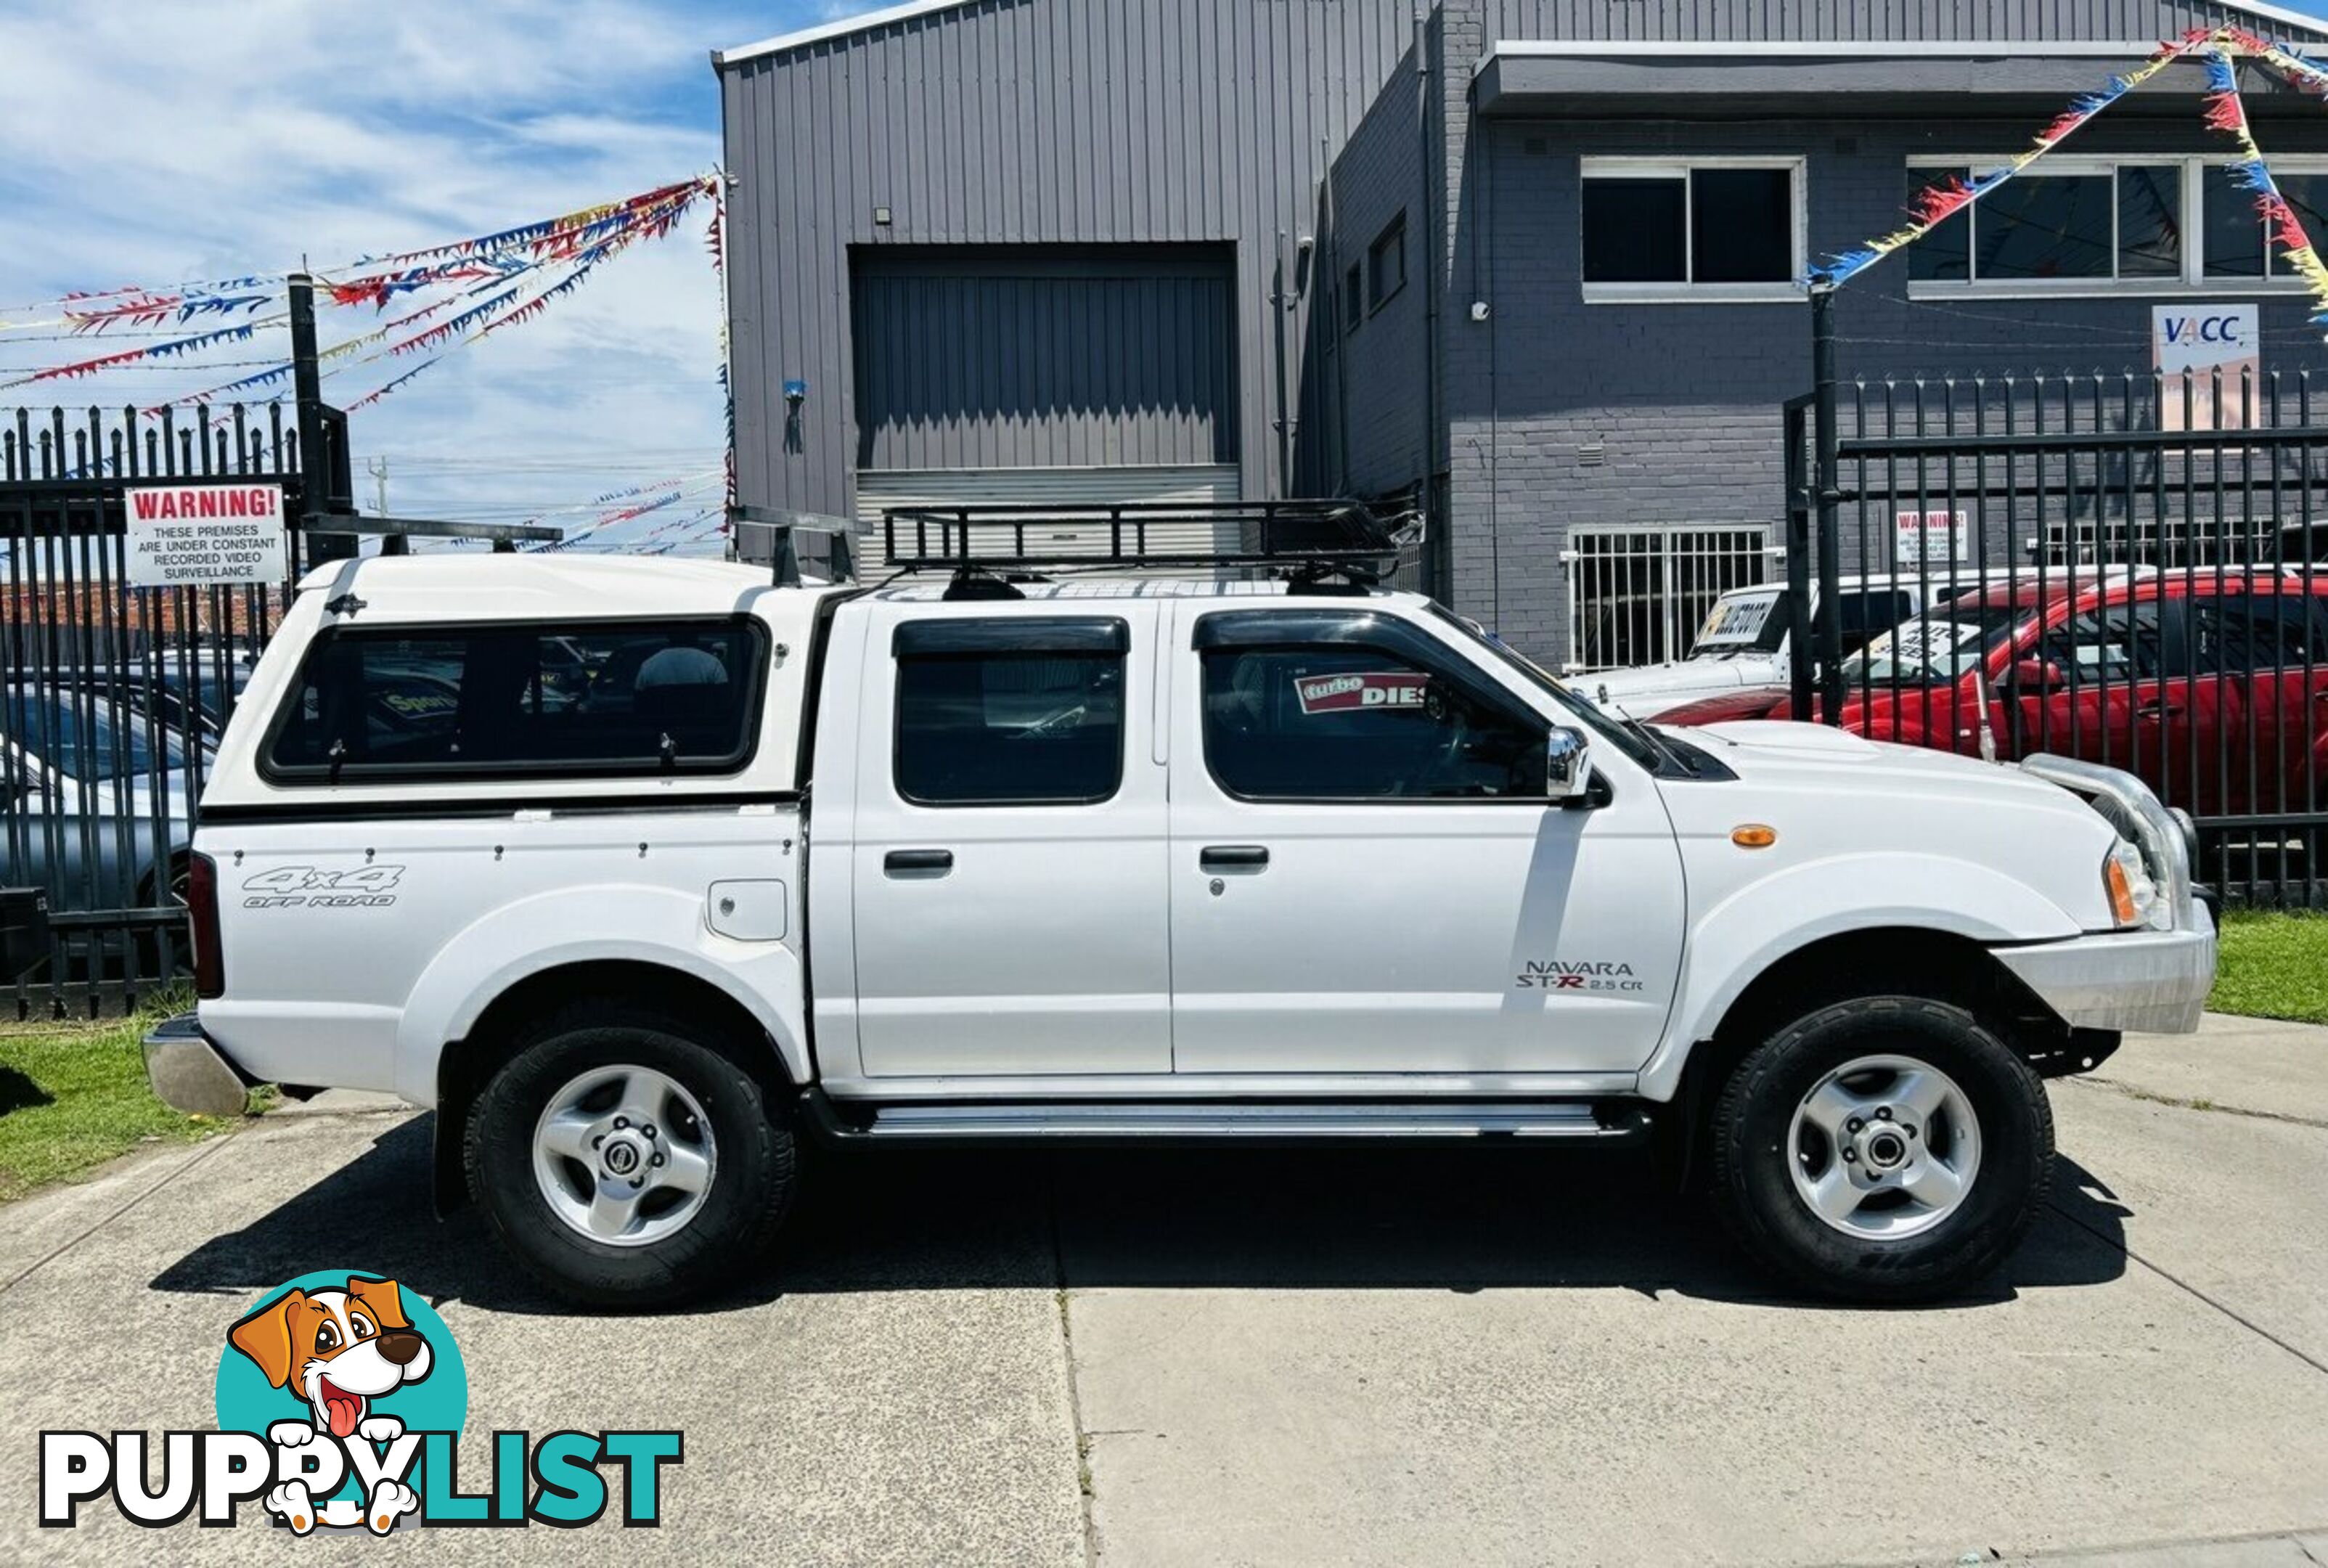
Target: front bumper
<point x="189" y="1073"/>
<point x="2145" y="981"/>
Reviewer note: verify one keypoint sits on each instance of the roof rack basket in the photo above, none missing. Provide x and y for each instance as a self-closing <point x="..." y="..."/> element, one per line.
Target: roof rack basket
<point x="1299" y="539"/>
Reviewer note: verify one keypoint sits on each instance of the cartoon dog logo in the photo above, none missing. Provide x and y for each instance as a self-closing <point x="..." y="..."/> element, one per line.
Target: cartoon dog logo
<point x="338" y="1350"/>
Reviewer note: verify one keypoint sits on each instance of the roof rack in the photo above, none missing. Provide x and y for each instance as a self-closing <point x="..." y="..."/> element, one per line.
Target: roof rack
<point x="1310" y="542"/>
<point x="837" y="562"/>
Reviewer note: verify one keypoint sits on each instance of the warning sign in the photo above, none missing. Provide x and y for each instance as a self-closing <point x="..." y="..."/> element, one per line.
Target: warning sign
<point x="1926" y="539"/>
<point x="182" y="535"/>
<point x="1345" y="693"/>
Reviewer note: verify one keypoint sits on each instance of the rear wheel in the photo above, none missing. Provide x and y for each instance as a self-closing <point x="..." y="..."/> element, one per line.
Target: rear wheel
<point x="1885" y="1149"/>
<point x="625" y="1161"/>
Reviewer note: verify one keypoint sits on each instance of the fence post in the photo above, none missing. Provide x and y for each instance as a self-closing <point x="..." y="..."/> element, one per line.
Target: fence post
<point x="314" y="462"/>
<point x="1798" y="536"/>
<point x="1828" y="642"/>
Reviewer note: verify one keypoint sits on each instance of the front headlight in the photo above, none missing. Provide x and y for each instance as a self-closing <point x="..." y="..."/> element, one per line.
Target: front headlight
<point x="2133" y="893"/>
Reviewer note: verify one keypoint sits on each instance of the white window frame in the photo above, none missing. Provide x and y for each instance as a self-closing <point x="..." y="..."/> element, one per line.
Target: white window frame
<point x="1790" y="291"/>
<point x="2195" y="279"/>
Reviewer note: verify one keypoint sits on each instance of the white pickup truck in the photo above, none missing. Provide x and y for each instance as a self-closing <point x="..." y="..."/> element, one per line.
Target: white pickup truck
<point x="643" y="873"/>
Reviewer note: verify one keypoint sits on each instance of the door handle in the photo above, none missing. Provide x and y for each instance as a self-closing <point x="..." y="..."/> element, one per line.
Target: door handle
<point x="1232" y="857"/>
<point x="902" y="860"/>
<point x="2159" y="710"/>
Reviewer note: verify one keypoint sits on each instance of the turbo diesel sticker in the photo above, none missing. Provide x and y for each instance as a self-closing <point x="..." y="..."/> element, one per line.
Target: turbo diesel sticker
<point x="1347" y="693"/>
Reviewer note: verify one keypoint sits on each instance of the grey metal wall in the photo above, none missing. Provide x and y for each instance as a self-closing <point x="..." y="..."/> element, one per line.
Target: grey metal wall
<point x="1027" y="122"/>
<point x="1858" y="19"/>
<point x="1024" y="357"/>
<point x="1378" y="353"/>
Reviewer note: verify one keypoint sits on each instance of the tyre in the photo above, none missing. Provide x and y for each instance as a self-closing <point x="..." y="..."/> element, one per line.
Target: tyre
<point x="1884" y="1149"/>
<point x="625" y="1161"/>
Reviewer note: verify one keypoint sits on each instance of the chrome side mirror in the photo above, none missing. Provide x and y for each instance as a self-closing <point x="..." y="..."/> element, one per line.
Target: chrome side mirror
<point x="1568" y="763"/>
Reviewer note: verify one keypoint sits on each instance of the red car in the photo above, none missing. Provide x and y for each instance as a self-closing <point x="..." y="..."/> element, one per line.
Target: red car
<point x="2213" y="686"/>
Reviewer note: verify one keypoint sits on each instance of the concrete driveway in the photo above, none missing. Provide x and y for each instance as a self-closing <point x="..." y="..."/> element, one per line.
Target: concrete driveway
<point x="1407" y="1356"/>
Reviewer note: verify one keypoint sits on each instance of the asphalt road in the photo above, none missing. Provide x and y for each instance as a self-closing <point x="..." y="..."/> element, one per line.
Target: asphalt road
<point x="1405" y="1357"/>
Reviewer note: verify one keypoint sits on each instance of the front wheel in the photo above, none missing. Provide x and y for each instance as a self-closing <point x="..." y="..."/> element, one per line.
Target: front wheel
<point x="1885" y="1149"/>
<point x="627" y="1163"/>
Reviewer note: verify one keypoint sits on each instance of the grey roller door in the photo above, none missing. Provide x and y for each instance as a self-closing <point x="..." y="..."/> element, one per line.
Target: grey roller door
<point x="987" y="357"/>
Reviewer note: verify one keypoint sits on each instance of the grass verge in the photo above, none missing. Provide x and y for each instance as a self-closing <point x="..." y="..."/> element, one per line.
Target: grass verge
<point x="2273" y="965"/>
<point x="72" y="1096"/>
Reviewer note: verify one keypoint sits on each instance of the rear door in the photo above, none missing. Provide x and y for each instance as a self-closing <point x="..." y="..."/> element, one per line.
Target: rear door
<point x="1008" y="864"/>
<point x="2272" y="648"/>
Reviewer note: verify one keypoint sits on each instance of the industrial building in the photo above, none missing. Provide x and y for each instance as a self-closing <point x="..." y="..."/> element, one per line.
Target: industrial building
<point x="1530" y="263"/>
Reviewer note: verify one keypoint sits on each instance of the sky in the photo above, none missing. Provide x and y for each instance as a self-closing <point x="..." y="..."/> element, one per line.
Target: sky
<point x="151" y="142"/>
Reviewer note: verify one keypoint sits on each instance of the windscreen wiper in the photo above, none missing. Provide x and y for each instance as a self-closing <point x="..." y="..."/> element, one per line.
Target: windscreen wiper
<point x="1657" y="742"/>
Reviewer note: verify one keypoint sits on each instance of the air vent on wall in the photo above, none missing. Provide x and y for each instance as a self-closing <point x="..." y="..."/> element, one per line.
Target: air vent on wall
<point x="1592" y="455"/>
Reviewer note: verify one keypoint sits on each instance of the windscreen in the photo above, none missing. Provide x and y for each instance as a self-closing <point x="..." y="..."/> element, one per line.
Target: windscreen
<point x="1937" y="648"/>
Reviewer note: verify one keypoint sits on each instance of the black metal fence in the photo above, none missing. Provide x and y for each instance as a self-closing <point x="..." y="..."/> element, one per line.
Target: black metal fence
<point x="112" y="696"/>
<point x="2129" y="568"/>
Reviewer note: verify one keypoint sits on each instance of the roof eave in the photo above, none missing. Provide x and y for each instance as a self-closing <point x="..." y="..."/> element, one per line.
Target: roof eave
<point x="784" y="44"/>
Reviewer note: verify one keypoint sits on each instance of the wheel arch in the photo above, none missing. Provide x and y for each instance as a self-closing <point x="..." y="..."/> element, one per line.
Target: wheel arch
<point x="1873" y="961"/>
<point x="719" y="1018"/>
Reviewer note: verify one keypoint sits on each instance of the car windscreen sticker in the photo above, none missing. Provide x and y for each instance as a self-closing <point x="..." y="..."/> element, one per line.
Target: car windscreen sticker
<point x="1349" y="692"/>
<point x="1737" y="620"/>
<point x="1921" y="641"/>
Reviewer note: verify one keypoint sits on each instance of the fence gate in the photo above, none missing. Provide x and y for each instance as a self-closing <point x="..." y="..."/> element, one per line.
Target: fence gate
<point x="112" y="696"/>
<point x="1638" y="595"/>
<point x="2108" y="572"/>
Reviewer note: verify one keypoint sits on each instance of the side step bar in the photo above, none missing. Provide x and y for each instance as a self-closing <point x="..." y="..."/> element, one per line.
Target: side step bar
<point x="1120" y="1122"/>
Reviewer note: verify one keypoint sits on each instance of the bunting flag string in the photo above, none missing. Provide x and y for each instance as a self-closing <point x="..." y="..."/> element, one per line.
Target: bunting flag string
<point x="511" y="252"/>
<point x="461" y="260"/>
<point x="480" y="319"/>
<point x="717" y="241"/>
<point x="661" y="494"/>
<point x="2298" y="72"/>
<point x="241" y="333"/>
<point x="1936" y="203"/>
<point x="2226" y="112"/>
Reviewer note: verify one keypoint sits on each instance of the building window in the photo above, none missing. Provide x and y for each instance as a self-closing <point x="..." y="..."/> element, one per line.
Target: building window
<point x="2148" y="224"/>
<point x="1354" y="297"/>
<point x="539" y="700"/>
<point x="1386" y="264"/>
<point x="1009" y="712"/>
<point x="1714" y="229"/>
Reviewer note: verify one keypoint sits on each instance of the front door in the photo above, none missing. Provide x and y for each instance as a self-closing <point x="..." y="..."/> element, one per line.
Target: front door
<point x="1365" y="877"/>
<point x="2127" y="693"/>
<point x="1007" y="869"/>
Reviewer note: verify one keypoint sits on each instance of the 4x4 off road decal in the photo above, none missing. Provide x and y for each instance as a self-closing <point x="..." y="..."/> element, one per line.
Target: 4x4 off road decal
<point x="1346" y="693"/>
<point x="341" y="1400"/>
<point x="307" y="888"/>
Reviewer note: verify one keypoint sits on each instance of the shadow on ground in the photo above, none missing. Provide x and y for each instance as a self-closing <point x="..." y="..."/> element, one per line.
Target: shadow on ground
<point x="1456" y="1218"/>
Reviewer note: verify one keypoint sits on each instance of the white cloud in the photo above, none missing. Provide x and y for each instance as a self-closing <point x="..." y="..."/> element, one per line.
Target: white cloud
<point x="154" y="141"/>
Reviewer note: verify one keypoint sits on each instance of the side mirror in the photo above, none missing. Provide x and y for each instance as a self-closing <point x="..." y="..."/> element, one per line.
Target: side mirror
<point x="2038" y="676"/>
<point x="1568" y="764"/>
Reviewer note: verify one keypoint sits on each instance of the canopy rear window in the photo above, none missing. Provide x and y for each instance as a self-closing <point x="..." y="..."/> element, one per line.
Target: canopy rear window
<point x="540" y="699"/>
